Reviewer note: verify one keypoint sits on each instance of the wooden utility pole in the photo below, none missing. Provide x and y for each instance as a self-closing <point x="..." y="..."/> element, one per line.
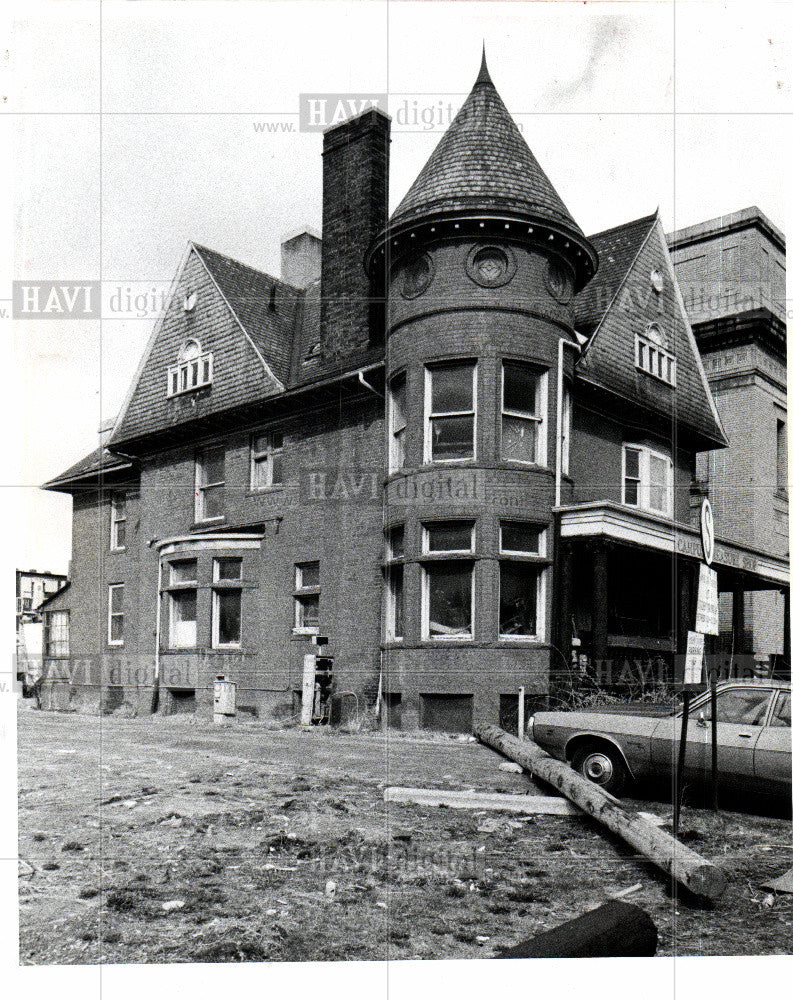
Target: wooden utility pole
<point x="683" y="864"/>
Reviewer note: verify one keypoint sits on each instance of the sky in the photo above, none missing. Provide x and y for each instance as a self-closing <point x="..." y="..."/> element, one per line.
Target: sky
<point x="134" y="135"/>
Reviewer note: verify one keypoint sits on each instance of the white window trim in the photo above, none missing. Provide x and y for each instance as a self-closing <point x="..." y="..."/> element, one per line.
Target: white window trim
<point x="117" y="614"/>
<point x="425" y="605"/>
<point x="442" y="553"/>
<point x="667" y="362"/>
<point x="200" y="487"/>
<point x="428" y="413"/>
<point x="172" y="644"/>
<point x="541" y="419"/>
<point x="644" y="487"/>
<point x="184" y="382"/>
<point x="267" y="454"/>
<point x="393" y="462"/>
<point x="297" y="628"/>
<point x="542" y="573"/>
<point x="115" y="520"/>
<point x="216" y="643"/>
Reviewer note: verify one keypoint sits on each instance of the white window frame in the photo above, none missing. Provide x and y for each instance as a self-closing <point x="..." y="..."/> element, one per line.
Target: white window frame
<point x="190" y="374"/>
<point x="200" y="486"/>
<point x="313" y="591"/>
<point x="644" y="486"/>
<point x="525" y="557"/>
<point x="265" y="457"/>
<point x="652" y="359"/>
<point x="114" y="614"/>
<point x="216" y="595"/>
<point x="540" y="418"/>
<point x="61" y="620"/>
<point x="395" y="461"/>
<point x="425" y="601"/>
<point x="441" y="553"/>
<point x="117" y="501"/>
<point x="185" y="585"/>
<point x="429" y="414"/>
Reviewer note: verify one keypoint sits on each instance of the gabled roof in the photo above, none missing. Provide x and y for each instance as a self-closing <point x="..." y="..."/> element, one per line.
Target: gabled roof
<point x="617" y="249"/>
<point x="265" y="306"/>
<point x="98" y="462"/>
<point x="483" y="162"/>
<point x="608" y="359"/>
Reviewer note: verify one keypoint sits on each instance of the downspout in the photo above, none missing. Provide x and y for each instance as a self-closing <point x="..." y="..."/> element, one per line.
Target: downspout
<point x="367" y="385"/>
<point x="155" y="697"/>
<point x="559" y="409"/>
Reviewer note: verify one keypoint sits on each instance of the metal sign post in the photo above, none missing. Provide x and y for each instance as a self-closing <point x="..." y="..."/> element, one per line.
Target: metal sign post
<point x="681" y="760"/>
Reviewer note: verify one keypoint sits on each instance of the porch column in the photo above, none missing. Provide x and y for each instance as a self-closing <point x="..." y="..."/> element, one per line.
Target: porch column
<point x="564" y="632"/>
<point x="600" y="589"/>
<point x="738" y="621"/>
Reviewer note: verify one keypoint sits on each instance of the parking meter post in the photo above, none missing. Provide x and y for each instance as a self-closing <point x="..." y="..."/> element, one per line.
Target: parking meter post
<point x="681" y="760"/>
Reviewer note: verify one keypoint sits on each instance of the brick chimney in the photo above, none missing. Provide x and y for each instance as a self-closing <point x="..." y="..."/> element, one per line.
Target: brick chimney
<point x="301" y="258"/>
<point x="354" y="211"/>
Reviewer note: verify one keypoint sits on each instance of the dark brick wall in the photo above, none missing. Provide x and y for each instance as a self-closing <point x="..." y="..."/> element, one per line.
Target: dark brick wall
<point x="354" y="210"/>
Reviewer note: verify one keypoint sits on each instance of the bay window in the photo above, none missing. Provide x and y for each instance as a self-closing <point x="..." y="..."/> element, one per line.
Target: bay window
<point x="450" y="423"/>
<point x="395" y="584"/>
<point x="523" y="404"/>
<point x="447" y="596"/>
<point x="226" y="602"/>
<point x="183" y="603"/>
<point x="521" y="580"/>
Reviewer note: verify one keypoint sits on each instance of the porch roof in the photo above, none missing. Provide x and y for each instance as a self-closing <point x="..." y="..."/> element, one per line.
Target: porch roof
<point x="607" y="519"/>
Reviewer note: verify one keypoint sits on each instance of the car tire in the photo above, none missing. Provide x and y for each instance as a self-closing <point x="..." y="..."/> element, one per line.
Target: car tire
<point x="602" y="766"/>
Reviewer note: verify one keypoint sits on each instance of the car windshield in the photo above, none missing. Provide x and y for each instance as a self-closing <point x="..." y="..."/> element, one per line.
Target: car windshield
<point x="743" y="706"/>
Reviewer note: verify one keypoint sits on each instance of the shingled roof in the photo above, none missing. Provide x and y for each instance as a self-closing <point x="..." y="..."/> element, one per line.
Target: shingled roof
<point x="483" y="162"/>
<point x="98" y="462"/>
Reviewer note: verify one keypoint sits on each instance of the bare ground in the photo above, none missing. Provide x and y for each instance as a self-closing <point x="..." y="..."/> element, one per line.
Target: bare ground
<point x="170" y="840"/>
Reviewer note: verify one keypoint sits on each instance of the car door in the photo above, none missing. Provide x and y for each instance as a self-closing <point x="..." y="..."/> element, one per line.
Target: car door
<point x="772" y="753"/>
<point x="741" y="714"/>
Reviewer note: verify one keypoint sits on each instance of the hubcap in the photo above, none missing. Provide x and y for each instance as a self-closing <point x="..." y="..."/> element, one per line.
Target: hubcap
<point x="598" y="768"/>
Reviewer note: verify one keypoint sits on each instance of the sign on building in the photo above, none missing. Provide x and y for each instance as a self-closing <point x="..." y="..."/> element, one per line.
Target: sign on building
<point x="707" y="601"/>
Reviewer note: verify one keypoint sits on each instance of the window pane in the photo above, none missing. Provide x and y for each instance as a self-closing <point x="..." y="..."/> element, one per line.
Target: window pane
<point x="184" y="571"/>
<point x="116" y="599"/>
<point x="213" y="501"/>
<point x="657" y="493"/>
<point x="277" y="470"/>
<point x="518" y="606"/>
<point x="450" y="588"/>
<point x="452" y="437"/>
<point x="228" y="604"/>
<point x="183" y="618"/>
<point x="743" y="706"/>
<point x="212" y="466"/>
<point x="519" y="439"/>
<point x="781" y="716"/>
<point x="396" y="584"/>
<point x="119" y="534"/>
<point x="452" y="389"/>
<point x="632" y="492"/>
<point x="228" y="569"/>
<point x="260" y="473"/>
<point x="116" y="628"/>
<point x="520" y="388"/>
<point x="308" y="574"/>
<point x="399" y="449"/>
<point x="398" y="389"/>
<point x="397" y="542"/>
<point x="308" y="611"/>
<point x="519" y="537"/>
<point x="260" y="443"/>
<point x="451" y="536"/>
<point x="632" y="463"/>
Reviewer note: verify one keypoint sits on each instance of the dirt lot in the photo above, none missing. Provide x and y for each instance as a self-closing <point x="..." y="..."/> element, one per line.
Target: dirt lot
<point x="169" y="840"/>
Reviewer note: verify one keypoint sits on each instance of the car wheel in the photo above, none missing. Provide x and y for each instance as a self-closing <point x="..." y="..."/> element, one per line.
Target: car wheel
<point x="602" y="766"/>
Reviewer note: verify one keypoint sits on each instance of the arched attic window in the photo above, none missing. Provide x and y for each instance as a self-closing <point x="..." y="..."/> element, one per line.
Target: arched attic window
<point x="193" y="369"/>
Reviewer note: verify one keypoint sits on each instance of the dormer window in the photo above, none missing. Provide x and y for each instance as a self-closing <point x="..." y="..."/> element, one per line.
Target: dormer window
<point x="192" y="371"/>
<point x="653" y="355"/>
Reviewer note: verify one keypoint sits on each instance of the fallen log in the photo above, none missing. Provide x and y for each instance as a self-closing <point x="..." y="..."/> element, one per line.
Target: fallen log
<point x="615" y="930"/>
<point x="684" y="865"/>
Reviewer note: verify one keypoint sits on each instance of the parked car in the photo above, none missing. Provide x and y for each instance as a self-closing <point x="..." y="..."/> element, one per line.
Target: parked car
<point x="612" y="745"/>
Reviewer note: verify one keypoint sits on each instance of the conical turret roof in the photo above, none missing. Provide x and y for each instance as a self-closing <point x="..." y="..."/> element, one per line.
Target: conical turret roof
<point x="483" y="161"/>
<point x="482" y="166"/>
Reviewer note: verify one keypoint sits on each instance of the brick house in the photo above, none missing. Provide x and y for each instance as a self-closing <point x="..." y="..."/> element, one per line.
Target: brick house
<point x="459" y="442"/>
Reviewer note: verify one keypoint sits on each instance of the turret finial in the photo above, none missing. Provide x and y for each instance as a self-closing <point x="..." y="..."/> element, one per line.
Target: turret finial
<point x="484" y="75"/>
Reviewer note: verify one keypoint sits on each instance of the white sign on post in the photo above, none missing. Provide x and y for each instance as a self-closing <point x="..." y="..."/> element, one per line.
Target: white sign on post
<point x="708" y="601"/>
<point x="695" y="649"/>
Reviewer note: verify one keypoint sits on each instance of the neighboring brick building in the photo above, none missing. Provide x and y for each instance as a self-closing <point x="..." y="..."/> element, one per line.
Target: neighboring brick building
<point x="732" y="274"/>
<point x="459" y="442"/>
